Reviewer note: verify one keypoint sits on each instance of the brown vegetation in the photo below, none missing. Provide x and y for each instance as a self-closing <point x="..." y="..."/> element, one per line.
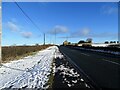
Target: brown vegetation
<point x="15" y="52"/>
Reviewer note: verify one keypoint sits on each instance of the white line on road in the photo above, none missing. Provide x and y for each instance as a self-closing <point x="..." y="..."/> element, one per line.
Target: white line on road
<point x="111" y="62"/>
<point x="84" y="54"/>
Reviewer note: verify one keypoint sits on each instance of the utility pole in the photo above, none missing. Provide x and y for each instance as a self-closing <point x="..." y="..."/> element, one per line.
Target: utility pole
<point x="44" y="38"/>
<point x="55" y="36"/>
<point x="50" y="39"/>
<point x="67" y="38"/>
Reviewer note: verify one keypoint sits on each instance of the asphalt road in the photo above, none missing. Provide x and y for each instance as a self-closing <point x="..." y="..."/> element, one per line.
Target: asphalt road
<point x="103" y="70"/>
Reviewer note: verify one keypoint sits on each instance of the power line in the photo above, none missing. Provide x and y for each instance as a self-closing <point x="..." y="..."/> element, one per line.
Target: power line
<point x="30" y="19"/>
<point x="27" y="16"/>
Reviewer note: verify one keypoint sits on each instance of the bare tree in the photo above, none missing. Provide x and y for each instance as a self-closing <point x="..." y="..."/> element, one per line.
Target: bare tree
<point x="89" y="40"/>
<point x="106" y="42"/>
<point x="81" y="41"/>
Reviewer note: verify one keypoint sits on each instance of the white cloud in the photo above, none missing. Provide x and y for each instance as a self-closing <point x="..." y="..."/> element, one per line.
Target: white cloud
<point x="85" y="31"/>
<point x="12" y="26"/>
<point x="0" y="15"/>
<point x="106" y="9"/>
<point x="112" y="10"/>
<point x="58" y="29"/>
<point x="26" y="34"/>
<point x="0" y="5"/>
<point x="81" y="33"/>
<point x="105" y="35"/>
<point x="14" y="20"/>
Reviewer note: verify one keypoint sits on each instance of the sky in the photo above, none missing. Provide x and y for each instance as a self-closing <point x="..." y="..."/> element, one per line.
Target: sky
<point x="72" y="21"/>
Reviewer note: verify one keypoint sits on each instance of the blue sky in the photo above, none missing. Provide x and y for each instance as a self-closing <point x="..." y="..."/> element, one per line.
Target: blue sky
<point x="77" y="21"/>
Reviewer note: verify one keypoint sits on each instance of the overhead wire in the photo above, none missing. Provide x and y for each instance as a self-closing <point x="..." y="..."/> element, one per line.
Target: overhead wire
<point x="27" y="16"/>
<point x="29" y="19"/>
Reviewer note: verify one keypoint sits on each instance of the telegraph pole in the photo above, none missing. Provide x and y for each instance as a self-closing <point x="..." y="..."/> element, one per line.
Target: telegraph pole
<point x="55" y="36"/>
<point x="67" y="38"/>
<point x="44" y="38"/>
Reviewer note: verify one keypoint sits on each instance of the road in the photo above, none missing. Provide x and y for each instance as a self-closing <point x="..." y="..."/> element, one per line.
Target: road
<point x="103" y="70"/>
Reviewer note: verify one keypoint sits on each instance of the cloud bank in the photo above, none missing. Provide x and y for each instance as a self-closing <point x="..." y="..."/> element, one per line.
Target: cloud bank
<point x="81" y="33"/>
<point x="13" y="27"/>
<point x="26" y="34"/>
<point x="87" y="33"/>
<point x="58" y="29"/>
<point x="106" y="9"/>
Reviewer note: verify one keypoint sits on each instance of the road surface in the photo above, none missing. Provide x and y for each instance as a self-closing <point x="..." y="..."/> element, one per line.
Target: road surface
<point x="103" y="70"/>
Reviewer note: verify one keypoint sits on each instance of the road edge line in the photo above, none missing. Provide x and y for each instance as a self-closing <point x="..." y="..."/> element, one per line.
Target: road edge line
<point x="84" y="75"/>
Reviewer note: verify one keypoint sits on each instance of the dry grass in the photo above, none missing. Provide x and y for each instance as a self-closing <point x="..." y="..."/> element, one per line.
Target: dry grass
<point x="10" y="53"/>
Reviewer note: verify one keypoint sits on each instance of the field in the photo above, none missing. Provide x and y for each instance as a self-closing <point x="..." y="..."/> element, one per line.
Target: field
<point x="10" y="53"/>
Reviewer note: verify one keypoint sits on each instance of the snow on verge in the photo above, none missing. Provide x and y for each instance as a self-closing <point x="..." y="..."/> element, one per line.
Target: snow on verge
<point x="29" y="72"/>
<point x="71" y="77"/>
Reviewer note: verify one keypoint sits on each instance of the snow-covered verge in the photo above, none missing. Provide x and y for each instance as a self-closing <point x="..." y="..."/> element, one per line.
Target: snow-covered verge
<point x="66" y="76"/>
<point x="71" y="77"/>
<point x="29" y="72"/>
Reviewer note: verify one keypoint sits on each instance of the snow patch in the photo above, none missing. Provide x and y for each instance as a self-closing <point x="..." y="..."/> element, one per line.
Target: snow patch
<point x="29" y="72"/>
<point x="69" y="75"/>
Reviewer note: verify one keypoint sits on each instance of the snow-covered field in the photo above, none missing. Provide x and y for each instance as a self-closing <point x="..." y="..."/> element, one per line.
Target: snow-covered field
<point x="29" y="72"/>
<point x="104" y="45"/>
<point x="99" y="45"/>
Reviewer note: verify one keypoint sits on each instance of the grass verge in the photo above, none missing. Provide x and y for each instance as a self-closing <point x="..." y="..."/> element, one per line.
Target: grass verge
<point x="51" y="77"/>
<point x="11" y="53"/>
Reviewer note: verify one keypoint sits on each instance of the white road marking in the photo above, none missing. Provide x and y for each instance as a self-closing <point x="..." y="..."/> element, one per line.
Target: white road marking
<point x="84" y="54"/>
<point x="111" y="62"/>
